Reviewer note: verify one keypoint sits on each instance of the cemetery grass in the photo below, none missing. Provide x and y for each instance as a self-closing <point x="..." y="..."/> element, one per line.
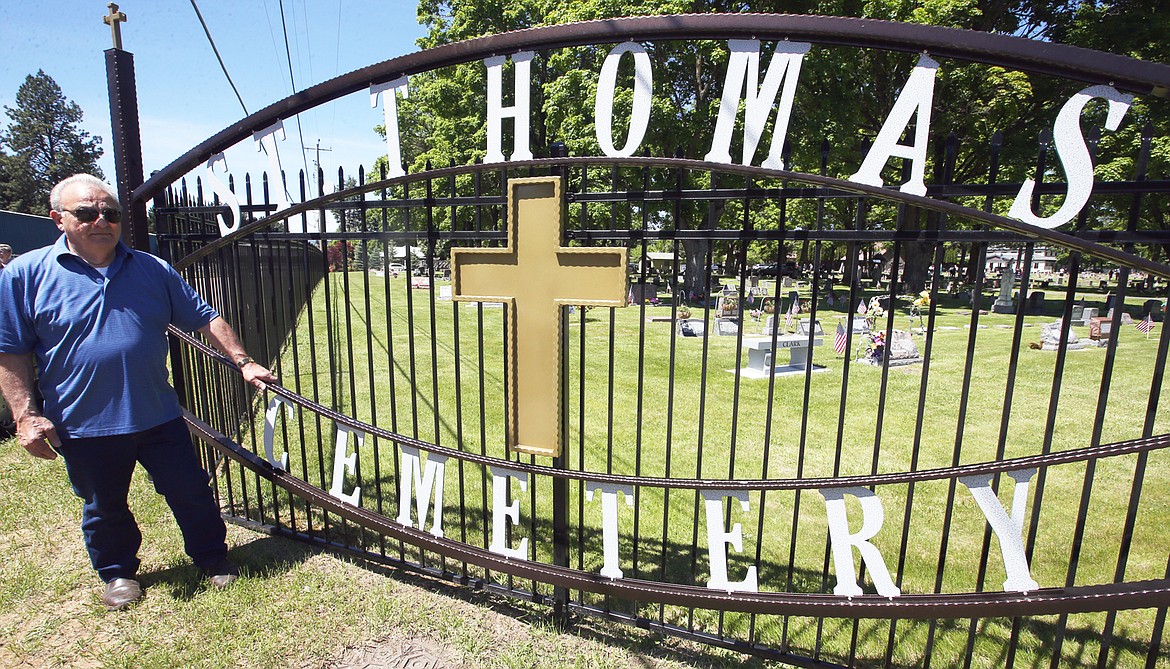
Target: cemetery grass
<point x="295" y="606"/>
<point x="657" y="405"/>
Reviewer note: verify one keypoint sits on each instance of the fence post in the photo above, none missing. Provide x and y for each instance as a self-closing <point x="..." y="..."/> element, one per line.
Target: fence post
<point x="561" y="461"/>
<point x="127" y="140"/>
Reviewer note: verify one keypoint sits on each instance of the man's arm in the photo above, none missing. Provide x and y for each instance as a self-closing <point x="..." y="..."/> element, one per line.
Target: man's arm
<point x="223" y="337"/>
<point x="36" y="433"/>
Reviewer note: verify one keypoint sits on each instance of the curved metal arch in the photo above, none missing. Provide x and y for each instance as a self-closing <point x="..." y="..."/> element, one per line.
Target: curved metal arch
<point x="1015" y="53"/>
<point x="1078" y="599"/>
<point x="941" y="206"/>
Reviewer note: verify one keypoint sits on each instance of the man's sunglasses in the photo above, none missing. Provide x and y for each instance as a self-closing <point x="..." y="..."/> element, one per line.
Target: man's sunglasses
<point x="89" y="214"/>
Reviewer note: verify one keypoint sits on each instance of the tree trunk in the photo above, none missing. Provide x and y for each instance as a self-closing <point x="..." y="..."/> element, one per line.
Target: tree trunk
<point x="695" y="252"/>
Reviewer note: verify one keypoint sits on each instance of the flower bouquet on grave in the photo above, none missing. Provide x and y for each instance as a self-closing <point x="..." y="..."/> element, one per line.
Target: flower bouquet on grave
<point x="921" y="302"/>
<point x="684" y="312"/>
<point x="877" y="349"/>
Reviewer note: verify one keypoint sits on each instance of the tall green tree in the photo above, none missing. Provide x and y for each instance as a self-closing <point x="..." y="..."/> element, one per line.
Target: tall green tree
<point x="42" y="144"/>
<point x="844" y="97"/>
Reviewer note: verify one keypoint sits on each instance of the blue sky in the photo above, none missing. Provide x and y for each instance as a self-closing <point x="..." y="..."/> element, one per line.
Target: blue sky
<point x="183" y="96"/>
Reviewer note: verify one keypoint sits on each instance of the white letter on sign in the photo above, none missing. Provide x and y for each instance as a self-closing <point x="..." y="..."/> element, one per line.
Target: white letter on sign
<point x="603" y="106"/>
<point x="390" y="118"/>
<point x="270" y="431"/>
<point x="717" y="540"/>
<point x="609" y="522"/>
<point x="743" y="68"/>
<point x="872" y="517"/>
<point x="343" y="463"/>
<point x="1008" y="529"/>
<point x="1074" y="157"/>
<point x="496" y="111"/>
<point x="266" y="141"/>
<point x="502" y="512"/>
<point x="916" y="98"/>
<point x="424" y="483"/>
<point x="229" y="198"/>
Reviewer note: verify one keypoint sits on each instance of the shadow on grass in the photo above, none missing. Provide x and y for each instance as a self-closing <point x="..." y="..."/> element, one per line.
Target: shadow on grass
<point x="261" y="558"/>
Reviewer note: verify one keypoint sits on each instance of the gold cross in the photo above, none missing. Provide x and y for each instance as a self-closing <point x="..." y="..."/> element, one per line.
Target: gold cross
<point x="114" y="19"/>
<point x="535" y="276"/>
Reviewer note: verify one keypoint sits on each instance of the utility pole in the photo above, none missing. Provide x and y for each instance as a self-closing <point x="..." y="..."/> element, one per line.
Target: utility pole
<point x="317" y="162"/>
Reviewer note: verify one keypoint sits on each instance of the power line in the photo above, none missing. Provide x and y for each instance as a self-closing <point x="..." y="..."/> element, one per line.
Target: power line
<point x="288" y="53"/>
<point x="217" y="56"/>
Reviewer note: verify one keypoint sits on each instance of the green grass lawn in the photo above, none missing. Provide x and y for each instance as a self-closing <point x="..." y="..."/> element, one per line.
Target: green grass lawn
<point x="295" y="606"/>
<point x="651" y="405"/>
<point x="648" y="404"/>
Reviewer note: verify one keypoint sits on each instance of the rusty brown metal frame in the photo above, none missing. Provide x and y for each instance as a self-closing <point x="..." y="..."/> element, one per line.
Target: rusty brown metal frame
<point x="1016" y="53"/>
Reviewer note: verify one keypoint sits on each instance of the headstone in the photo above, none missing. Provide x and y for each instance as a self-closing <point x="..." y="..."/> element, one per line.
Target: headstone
<point x="1078" y="312"/>
<point x="1050" y="338"/>
<point x="1126" y="319"/>
<point x="769" y="325"/>
<point x="803" y="327"/>
<point x="642" y="291"/>
<point x="1102" y="285"/>
<point x="1003" y="303"/>
<point x="1036" y="302"/>
<point x="902" y="350"/>
<point x="1099" y="327"/>
<point x="1087" y="315"/>
<point x="727" y="327"/>
<point x="691" y="327"/>
<point x="1154" y="309"/>
<point x="860" y="325"/>
<point x="792" y="295"/>
<point x="786" y="282"/>
<point x="445" y="292"/>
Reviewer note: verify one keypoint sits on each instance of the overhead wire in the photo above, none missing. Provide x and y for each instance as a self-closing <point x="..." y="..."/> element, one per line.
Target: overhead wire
<point x="292" y="80"/>
<point x="223" y="67"/>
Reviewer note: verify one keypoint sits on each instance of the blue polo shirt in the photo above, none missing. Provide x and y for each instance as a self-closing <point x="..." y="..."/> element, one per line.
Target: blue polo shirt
<point x="99" y="341"/>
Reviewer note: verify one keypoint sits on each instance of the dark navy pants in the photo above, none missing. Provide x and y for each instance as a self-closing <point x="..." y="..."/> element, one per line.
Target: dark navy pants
<point x="100" y="469"/>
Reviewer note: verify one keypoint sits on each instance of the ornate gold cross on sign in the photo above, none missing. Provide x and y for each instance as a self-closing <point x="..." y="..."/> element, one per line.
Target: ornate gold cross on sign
<point x="535" y="276"/>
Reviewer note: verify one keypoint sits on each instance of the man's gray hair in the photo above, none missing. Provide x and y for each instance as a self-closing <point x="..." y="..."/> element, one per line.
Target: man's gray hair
<point x="85" y="179"/>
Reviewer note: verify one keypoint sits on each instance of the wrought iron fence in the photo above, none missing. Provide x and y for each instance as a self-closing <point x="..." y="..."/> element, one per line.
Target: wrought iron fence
<point x="730" y="480"/>
<point x="966" y="473"/>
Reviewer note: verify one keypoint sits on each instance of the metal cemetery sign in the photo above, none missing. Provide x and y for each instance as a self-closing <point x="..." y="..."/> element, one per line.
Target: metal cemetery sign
<point x="472" y="390"/>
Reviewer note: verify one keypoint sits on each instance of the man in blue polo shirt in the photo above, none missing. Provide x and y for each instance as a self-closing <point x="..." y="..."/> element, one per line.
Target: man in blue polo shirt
<point x="93" y="313"/>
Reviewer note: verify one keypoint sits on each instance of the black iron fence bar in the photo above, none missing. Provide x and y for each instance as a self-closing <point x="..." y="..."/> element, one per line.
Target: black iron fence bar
<point x="1085" y="454"/>
<point x="1079" y="599"/>
<point x="952" y="209"/>
<point x="863" y="236"/>
<point x="1010" y="52"/>
<point x="932" y="191"/>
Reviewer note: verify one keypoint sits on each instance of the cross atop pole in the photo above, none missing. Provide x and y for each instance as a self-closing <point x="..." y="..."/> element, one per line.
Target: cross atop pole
<point x="114" y="20"/>
<point x="535" y="276"/>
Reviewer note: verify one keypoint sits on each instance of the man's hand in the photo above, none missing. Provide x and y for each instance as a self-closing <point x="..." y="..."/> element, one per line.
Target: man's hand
<point x="258" y="375"/>
<point x="38" y="435"/>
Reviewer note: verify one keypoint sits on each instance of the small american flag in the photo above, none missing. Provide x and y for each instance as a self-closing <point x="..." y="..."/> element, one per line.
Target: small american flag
<point x="840" y="343"/>
<point x="1146" y="324"/>
<point x="861" y="308"/>
<point x="793" y="309"/>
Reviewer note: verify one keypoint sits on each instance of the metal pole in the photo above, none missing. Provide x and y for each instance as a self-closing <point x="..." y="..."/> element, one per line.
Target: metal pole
<point x="127" y="144"/>
<point x="561" y="461"/>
